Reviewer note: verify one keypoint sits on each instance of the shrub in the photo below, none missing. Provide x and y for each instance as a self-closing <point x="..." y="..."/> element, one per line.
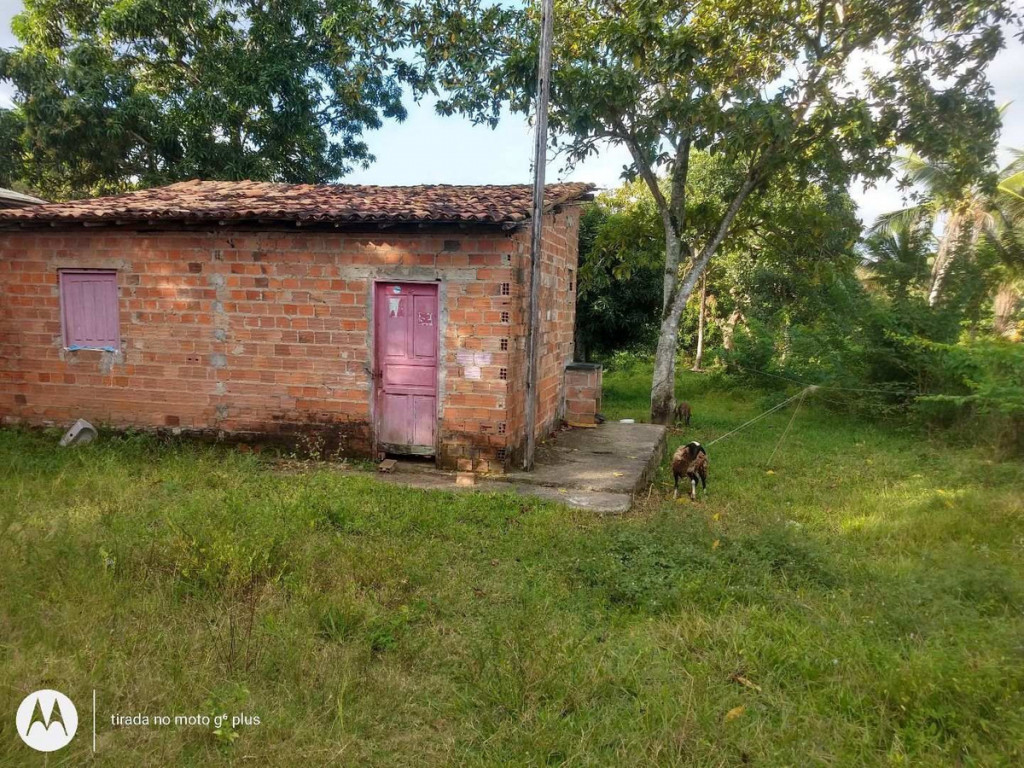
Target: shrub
<point x="984" y="390"/>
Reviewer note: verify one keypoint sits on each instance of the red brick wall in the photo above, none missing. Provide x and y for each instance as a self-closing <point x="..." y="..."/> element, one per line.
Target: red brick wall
<point x="267" y="332"/>
<point x="582" y="393"/>
<point x="557" y="316"/>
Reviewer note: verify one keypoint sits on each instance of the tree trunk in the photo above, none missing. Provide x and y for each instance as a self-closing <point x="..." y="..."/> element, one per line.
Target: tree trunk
<point x="677" y="293"/>
<point x="699" y="356"/>
<point x="729" y="331"/>
<point x="664" y="385"/>
<point x="944" y="258"/>
<point x="1003" y="311"/>
<point x="663" y="394"/>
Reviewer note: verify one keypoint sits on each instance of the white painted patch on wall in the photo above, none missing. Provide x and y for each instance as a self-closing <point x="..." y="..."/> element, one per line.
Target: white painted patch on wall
<point x="472" y="362"/>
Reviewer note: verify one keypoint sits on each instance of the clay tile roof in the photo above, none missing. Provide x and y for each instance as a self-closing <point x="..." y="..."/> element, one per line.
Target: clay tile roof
<point x="199" y="201"/>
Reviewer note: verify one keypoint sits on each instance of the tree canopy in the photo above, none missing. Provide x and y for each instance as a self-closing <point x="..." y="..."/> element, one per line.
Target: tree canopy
<point x="113" y="95"/>
<point x="789" y="258"/>
<point x="825" y="91"/>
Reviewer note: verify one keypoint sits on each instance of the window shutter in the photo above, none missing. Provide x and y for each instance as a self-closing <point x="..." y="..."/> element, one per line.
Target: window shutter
<point x="89" y="308"/>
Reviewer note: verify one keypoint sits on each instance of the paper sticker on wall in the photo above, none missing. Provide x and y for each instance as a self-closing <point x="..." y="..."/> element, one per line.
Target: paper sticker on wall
<point x="395" y="308"/>
<point x="396" y="289"/>
<point x="471" y="372"/>
<point x="426" y="319"/>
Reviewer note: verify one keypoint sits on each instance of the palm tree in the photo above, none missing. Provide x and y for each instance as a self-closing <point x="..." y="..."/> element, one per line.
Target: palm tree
<point x="897" y="258"/>
<point x="1009" y="208"/>
<point x="969" y="219"/>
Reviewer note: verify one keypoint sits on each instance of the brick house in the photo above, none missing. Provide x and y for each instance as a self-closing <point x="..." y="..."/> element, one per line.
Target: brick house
<point x="374" y="319"/>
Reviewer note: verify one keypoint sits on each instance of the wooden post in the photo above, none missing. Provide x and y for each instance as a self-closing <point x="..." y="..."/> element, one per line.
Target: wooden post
<point x="540" y="146"/>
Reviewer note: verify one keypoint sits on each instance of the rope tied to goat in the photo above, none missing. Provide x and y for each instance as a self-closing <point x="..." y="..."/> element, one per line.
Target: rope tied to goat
<point x="773" y="409"/>
<point x="808" y="388"/>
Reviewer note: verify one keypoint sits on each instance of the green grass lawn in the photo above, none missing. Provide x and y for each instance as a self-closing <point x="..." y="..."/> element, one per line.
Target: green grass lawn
<point x="857" y="603"/>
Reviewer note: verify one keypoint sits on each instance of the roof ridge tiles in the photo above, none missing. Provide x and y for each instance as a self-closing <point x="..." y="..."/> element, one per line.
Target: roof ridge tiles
<point x="196" y="199"/>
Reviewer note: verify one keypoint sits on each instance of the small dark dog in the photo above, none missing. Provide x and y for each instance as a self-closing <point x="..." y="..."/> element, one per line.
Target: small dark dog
<point x="682" y="414"/>
<point x="690" y="460"/>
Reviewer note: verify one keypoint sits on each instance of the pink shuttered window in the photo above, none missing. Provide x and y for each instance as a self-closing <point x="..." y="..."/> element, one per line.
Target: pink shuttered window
<point x="88" y="300"/>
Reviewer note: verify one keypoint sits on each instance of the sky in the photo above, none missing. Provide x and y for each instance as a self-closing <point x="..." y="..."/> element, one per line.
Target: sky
<point x="429" y="149"/>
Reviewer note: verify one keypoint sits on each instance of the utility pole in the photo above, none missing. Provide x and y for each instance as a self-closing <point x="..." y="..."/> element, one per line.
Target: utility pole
<point x="540" y="148"/>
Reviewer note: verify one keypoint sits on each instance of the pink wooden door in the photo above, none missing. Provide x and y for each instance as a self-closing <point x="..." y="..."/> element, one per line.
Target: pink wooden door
<point x="405" y="327"/>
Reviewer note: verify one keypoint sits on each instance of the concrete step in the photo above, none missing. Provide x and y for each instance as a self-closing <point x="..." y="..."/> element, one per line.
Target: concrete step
<point x="599" y="469"/>
<point x="602" y="502"/>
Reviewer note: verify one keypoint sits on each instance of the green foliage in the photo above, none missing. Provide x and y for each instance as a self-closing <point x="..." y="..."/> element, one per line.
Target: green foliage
<point x="620" y="287"/>
<point x="653" y="73"/>
<point x="761" y="86"/>
<point x="754" y="350"/>
<point x="789" y="260"/>
<point x="980" y="388"/>
<point x="114" y="95"/>
<point x="10" y="148"/>
<point x="982" y="241"/>
<point x="814" y="310"/>
<point x="897" y="260"/>
<point x="898" y="358"/>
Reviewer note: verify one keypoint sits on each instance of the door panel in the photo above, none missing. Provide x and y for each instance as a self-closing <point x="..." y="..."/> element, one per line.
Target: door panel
<point x="406" y="383"/>
<point x="409" y="375"/>
<point x="424" y="330"/>
<point x="398" y="409"/>
<point x="424" y="410"/>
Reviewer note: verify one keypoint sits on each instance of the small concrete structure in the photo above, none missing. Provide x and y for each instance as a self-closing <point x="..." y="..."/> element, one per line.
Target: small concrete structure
<point x="600" y="469"/>
<point x="582" y="394"/>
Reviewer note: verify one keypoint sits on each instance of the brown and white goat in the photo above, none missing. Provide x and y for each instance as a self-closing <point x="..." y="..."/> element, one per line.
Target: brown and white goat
<point x="691" y="461"/>
<point x="682" y="414"/>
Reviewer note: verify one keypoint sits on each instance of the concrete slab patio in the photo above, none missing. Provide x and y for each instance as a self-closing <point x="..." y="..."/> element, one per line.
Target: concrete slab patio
<point x="599" y="469"/>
